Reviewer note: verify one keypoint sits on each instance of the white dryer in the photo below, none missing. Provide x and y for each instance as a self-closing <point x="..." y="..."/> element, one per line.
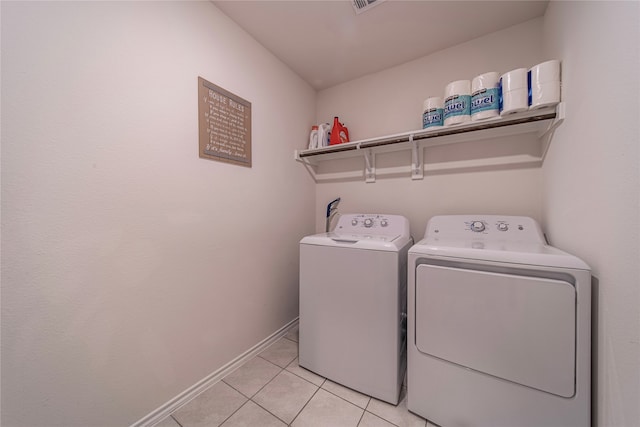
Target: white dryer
<point x="353" y="303"/>
<point x="499" y="326"/>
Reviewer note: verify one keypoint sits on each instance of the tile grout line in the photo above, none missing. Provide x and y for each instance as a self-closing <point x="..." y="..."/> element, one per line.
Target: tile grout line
<point x="193" y="392"/>
<point x="267" y="383"/>
<point x="382" y="418"/>
<point x="305" y="405"/>
<point x="286" y="337"/>
<point x="359" y="407"/>
<point x="234" y="412"/>
<point x="250" y="399"/>
<point x="285" y="369"/>
<point x="345" y="399"/>
<point x="257" y="355"/>
<point x="303" y="378"/>
<point x="361" y="417"/>
<point x="269" y="412"/>
<point x="324" y="381"/>
<point x="385" y="419"/>
<point x="260" y="389"/>
<point x="174" y="419"/>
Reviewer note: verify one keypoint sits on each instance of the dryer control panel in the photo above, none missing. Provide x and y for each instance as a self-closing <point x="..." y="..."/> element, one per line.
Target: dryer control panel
<point x="372" y="224"/>
<point x="485" y="227"/>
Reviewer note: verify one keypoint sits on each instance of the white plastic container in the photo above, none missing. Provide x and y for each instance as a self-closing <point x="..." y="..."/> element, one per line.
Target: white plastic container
<point x="544" y="84"/>
<point x="324" y="133"/>
<point x="515" y="92"/>
<point x="313" y="138"/>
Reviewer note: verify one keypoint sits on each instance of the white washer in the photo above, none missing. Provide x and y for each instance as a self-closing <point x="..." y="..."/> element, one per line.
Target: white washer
<point x="499" y="326"/>
<point x="353" y="303"/>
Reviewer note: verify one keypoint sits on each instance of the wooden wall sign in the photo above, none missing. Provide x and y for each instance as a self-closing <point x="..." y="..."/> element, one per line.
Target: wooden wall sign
<point x="224" y="121"/>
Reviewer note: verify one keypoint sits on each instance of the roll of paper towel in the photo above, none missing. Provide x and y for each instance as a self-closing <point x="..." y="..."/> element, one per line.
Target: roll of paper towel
<point x="485" y="96"/>
<point x="544" y="84"/>
<point x="432" y="112"/>
<point x="515" y="91"/>
<point x="457" y="104"/>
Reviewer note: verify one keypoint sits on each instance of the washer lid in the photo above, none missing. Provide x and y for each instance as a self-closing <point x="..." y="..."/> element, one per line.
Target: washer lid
<point x="380" y="232"/>
<point x="357" y="241"/>
<point x="515" y="252"/>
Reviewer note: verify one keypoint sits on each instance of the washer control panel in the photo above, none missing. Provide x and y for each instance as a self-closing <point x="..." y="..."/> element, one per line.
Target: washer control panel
<point x="372" y="224"/>
<point x="484" y="227"/>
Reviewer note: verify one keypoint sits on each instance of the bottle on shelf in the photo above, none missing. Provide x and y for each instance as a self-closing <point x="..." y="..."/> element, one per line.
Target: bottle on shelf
<point x="324" y="134"/>
<point x="313" y="138"/>
<point x="339" y="133"/>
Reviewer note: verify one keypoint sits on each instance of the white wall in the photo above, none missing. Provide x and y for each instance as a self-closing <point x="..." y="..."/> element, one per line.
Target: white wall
<point x="390" y="102"/>
<point x="591" y="184"/>
<point x="587" y="192"/>
<point x="132" y="269"/>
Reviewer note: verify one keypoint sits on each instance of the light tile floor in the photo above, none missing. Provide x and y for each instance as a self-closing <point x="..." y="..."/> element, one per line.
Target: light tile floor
<point x="273" y="390"/>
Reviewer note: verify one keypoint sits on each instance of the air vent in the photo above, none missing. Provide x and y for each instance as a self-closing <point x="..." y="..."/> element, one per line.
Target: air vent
<point x="363" y="5"/>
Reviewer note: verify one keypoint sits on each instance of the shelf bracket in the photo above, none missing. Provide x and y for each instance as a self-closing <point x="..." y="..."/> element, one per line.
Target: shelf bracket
<point x="546" y="135"/>
<point x="417" y="168"/>
<point x="370" y="166"/>
<point x="308" y="166"/>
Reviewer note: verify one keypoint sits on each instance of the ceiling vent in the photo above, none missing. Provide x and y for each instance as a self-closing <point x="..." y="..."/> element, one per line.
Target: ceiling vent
<point x="363" y="5"/>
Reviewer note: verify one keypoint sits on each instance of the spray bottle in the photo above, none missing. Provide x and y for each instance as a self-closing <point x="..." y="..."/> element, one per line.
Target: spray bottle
<point x="324" y="134"/>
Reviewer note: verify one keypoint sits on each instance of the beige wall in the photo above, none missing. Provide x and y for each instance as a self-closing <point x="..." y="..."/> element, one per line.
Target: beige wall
<point x="591" y="184"/>
<point x="390" y="102"/>
<point x="132" y="269"/>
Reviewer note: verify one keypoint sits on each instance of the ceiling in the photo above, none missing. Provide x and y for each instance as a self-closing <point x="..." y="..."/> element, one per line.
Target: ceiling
<point x="327" y="43"/>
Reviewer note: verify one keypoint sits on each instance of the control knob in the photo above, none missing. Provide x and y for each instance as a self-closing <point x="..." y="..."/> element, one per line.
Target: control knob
<point x="503" y="226"/>
<point x="368" y="222"/>
<point x="477" y="226"/>
<point x="384" y="223"/>
<point x="354" y="222"/>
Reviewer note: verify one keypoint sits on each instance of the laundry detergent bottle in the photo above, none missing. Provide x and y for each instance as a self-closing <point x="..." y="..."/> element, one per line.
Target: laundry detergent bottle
<point x="313" y="138"/>
<point x="339" y="133"/>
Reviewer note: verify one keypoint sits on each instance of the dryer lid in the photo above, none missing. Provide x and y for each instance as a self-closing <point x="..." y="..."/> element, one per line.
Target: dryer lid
<point x="499" y="238"/>
<point x="485" y="227"/>
<point x="526" y="253"/>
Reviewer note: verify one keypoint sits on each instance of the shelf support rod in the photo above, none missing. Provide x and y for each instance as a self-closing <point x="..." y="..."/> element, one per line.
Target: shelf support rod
<point x="546" y="135"/>
<point x="370" y="166"/>
<point x="307" y="165"/>
<point x="417" y="168"/>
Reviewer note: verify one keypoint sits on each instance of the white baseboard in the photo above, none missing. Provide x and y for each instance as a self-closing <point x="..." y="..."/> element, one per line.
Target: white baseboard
<point x="189" y="394"/>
